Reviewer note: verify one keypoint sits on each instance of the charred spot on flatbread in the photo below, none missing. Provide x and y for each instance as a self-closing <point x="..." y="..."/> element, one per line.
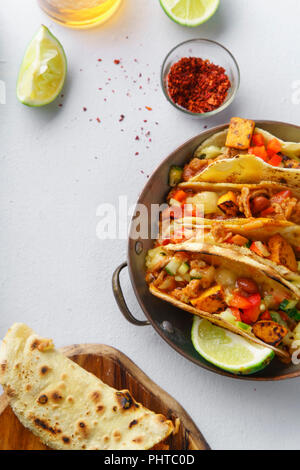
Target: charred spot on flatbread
<point x="66" y="440"/>
<point x="43" y="399"/>
<point x="56" y="396"/>
<point x="83" y="428"/>
<point x="44" y="370"/>
<point x="133" y="423"/>
<point x="95" y="396"/>
<point x="3" y="367"/>
<point x="124" y="399"/>
<point x="41" y="423"/>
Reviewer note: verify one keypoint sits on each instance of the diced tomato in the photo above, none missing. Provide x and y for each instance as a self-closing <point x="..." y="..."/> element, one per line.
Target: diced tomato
<point x="259" y="151"/>
<point x="258" y="140"/>
<point x="279" y="197"/>
<point x="265" y="316"/>
<point x="179" y="195"/>
<point x="238" y="301"/>
<point x="276" y="160"/>
<point x="253" y="312"/>
<point x="270" y="210"/>
<point x="236" y="313"/>
<point x="238" y="240"/>
<point x="274" y="146"/>
<point x="260" y="249"/>
<point x="245" y="318"/>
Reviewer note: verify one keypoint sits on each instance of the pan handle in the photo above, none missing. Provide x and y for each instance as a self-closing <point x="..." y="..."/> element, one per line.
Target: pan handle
<point x="117" y="290"/>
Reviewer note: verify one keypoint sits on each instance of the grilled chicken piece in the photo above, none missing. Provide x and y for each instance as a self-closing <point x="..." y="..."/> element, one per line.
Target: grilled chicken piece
<point x="212" y="300"/>
<point x="240" y="133"/>
<point x="270" y="332"/>
<point x="228" y="204"/>
<point x="282" y="252"/>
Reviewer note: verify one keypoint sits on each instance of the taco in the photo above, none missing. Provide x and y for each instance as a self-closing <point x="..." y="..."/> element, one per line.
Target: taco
<point x="273" y="244"/>
<point x="224" y="201"/>
<point x="228" y="289"/>
<point x="242" y="154"/>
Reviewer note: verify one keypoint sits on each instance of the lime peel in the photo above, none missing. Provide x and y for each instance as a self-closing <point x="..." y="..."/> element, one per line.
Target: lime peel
<point x="190" y="12"/>
<point x="43" y="70"/>
<point x="227" y="350"/>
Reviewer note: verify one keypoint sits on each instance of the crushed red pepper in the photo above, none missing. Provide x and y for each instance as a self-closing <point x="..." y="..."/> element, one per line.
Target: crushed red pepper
<point x="198" y="85"/>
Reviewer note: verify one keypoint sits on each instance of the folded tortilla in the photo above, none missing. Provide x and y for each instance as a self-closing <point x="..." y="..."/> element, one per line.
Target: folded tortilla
<point x="66" y="406"/>
<point x="245" y="168"/>
<point x="231" y="261"/>
<point x="256" y="230"/>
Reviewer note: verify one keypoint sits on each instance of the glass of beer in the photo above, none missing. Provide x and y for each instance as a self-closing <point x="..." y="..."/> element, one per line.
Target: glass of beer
<point x="80" y="13"/>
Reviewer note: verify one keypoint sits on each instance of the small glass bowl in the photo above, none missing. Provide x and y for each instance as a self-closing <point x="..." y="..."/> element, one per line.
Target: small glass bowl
<point x="205" y="49"/>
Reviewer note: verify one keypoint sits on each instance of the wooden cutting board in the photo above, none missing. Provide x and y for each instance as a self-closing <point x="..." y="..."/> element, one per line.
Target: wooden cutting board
<point x="118" y="371"/>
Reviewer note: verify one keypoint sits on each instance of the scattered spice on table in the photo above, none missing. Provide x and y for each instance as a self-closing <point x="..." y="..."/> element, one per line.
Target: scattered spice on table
<point x="122" y="117"/>
<point x="198" y="85"/>
<point x="148" y="108"/>
<point x="117" y="61"/>
<point x="84" y="109"/>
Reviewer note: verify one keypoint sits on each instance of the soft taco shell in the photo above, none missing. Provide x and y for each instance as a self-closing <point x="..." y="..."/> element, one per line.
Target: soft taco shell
<point x="229" y="259"/>
<point x="258" y="229"/>
<point x="66" y="406"/>
<point x="247" y="168"/>
<point x="218" y="187"/>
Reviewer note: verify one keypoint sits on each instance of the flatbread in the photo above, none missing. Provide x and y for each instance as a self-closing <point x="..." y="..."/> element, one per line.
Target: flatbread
<point x="66" y="406"/>
<point x="247" y="168"/>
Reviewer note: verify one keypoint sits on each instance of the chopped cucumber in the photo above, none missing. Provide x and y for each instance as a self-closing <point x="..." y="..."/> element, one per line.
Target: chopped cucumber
<point x="173" y="266"/>
<point x="179" y="279"/>
<point x="184" y="268"/>
<point x="227" y="316"/>
<point x="277" y="318"/>
<point x="196" y="274"/>
<point x="288" y="304"/>
<point x="154" y="256"/>
<point x="175" y="175"/>
<point x="244" y="326"/>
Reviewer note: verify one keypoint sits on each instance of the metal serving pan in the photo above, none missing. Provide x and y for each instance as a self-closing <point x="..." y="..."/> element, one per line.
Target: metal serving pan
<point x="171" y="323"/>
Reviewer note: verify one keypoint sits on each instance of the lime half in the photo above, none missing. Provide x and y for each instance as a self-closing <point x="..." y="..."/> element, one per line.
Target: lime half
<point x="228" y="350"/>
<point x="43" y="70"/>
<point x="190" y="12"/>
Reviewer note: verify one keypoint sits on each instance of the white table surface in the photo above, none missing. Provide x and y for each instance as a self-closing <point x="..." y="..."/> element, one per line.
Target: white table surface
<point x="57" y="166"/>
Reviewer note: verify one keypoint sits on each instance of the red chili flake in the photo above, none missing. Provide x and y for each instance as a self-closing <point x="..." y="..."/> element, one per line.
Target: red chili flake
<point x="147" y="133"/>
<point x="122" y="117"/>
<point x="136" y="153"/>
<point x="148" y="107"/>
<point x="84" y="109"/>
<point x="99" y="60"/>
<point x="137" y="138"/>
<point x="117" y="61"/>
<point x="60" y="105"/>
<point x="145" y="120"/>
<point x="98" y="119"/>
<point x="198" y="85"/>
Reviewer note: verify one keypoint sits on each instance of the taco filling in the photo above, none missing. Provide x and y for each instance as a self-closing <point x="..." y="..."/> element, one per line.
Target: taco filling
<point x="220" y="288"/>
<point x="234" y="201"/>
<point x="241" y="138"/>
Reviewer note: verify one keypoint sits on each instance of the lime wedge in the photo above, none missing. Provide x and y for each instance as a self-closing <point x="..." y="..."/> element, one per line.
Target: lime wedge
<point x="43" y="70"/>
<point x="228" y="350"/>
<point x="190" y="12"/>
